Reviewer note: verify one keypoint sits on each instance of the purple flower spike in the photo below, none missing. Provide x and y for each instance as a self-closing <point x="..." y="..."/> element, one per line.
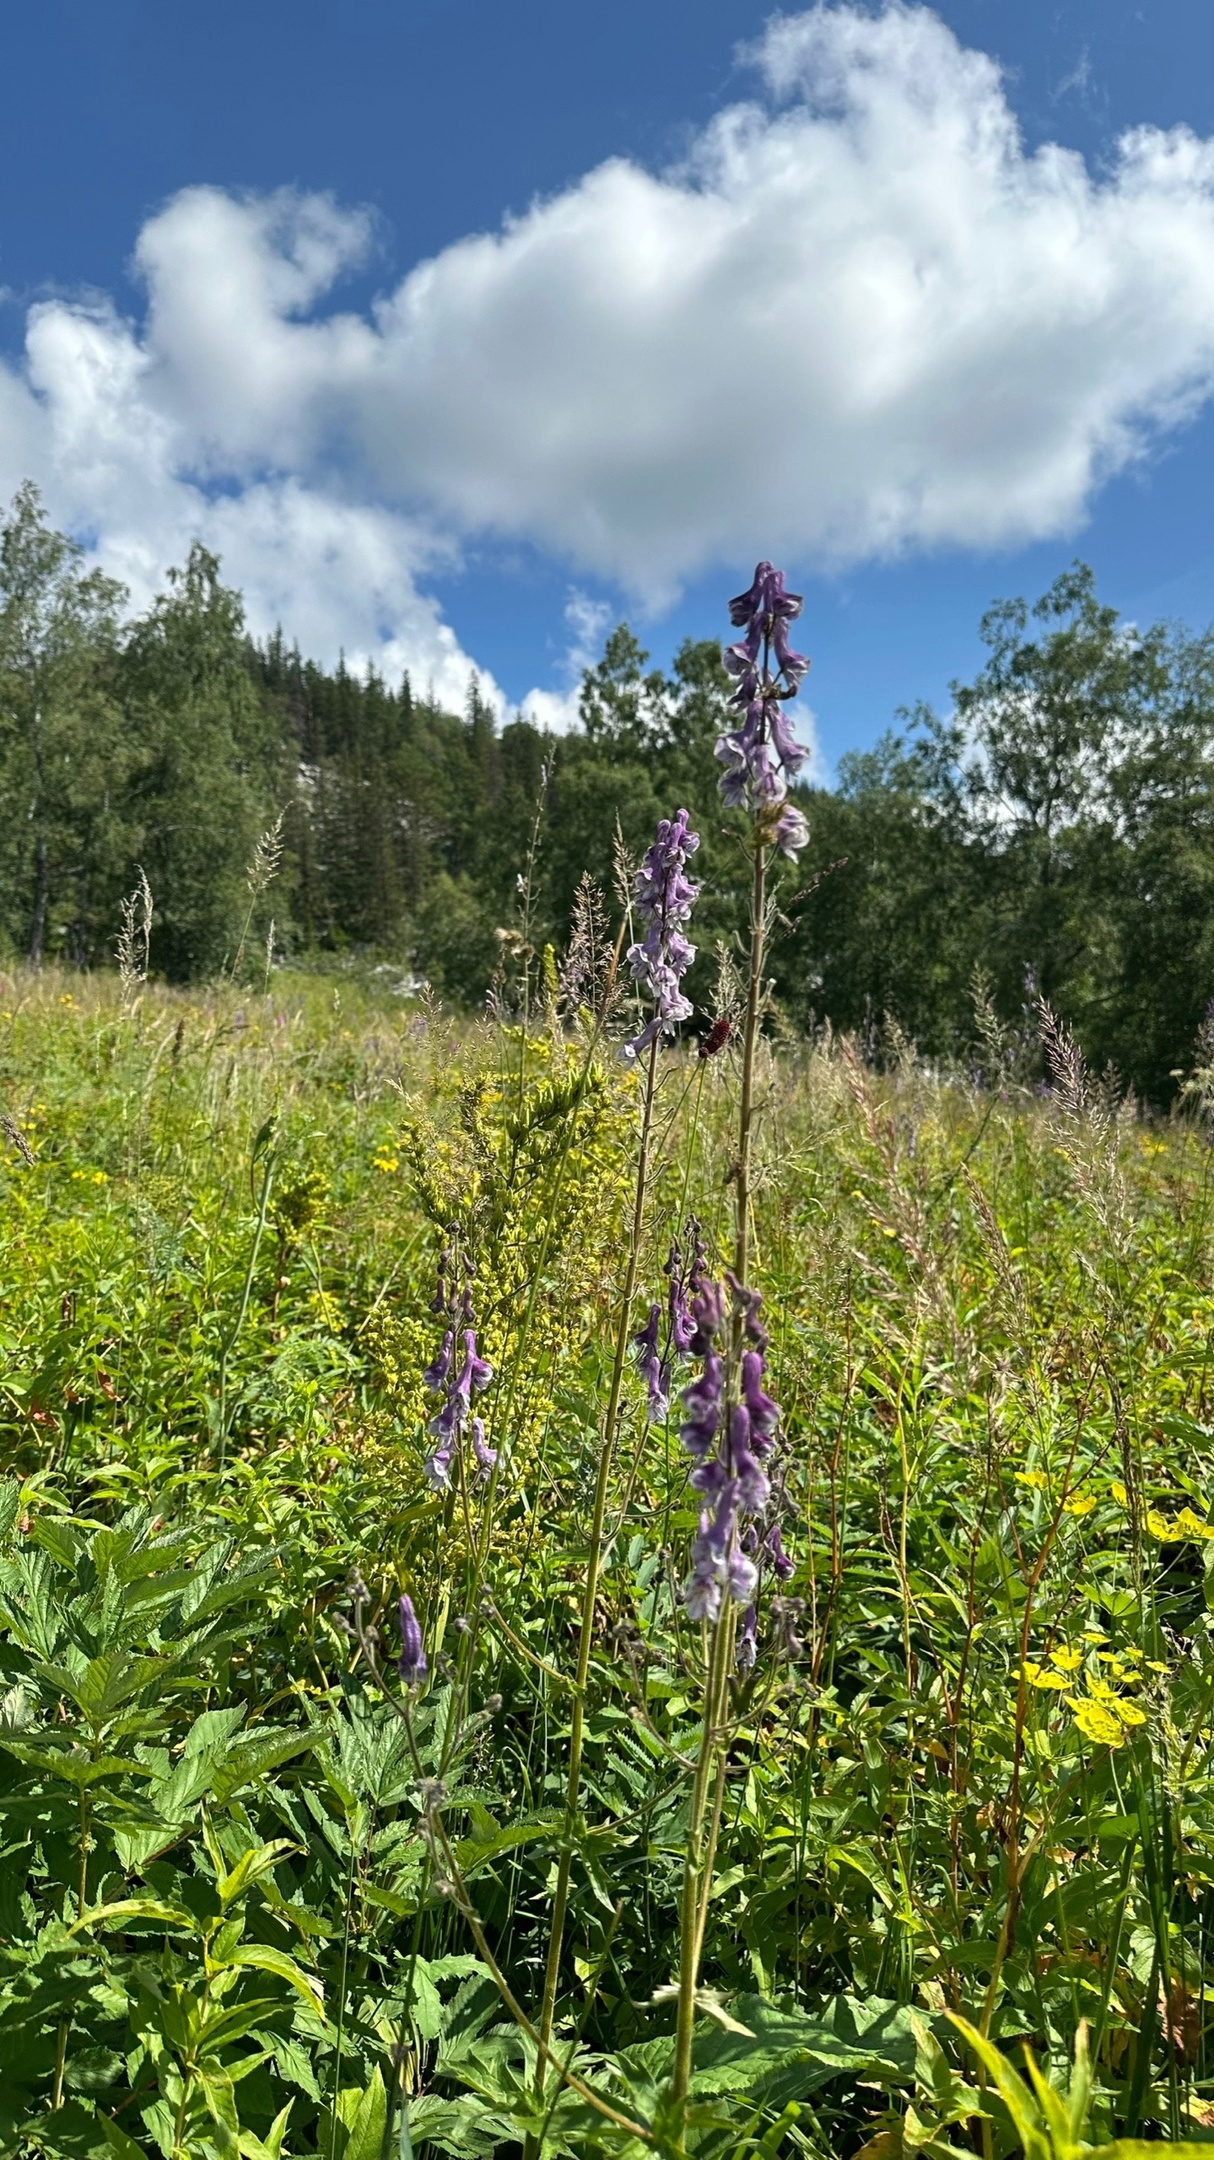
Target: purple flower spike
<point x="660" y="958"/>
<point x="761" y="754"/>
<point x="456" y="1388"/>
<point x="729" y="1547"/>
<point x="411" y="1663"/>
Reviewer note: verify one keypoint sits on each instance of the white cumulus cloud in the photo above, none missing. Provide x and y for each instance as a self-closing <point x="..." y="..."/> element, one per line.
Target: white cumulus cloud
<point x="586" y="621"/>
<point x="859" y="318"/>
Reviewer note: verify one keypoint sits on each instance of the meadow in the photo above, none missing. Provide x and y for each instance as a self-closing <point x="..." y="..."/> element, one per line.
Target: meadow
<point x="279" y="1877"/>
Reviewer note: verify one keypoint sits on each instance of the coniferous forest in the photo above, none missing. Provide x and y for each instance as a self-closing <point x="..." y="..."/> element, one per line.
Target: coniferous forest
<point x="1053" y="834"/>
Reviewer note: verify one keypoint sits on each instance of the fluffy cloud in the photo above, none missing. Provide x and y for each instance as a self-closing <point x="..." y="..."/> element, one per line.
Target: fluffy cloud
<point x="586" y="621"/>
<point x="101" y="417"/>
<point x="859" y="318"/>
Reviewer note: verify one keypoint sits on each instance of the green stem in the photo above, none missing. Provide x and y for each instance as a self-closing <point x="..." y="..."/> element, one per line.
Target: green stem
<point x="593" y="1567"/>
<point x="754" y="997"/>
<point x="700" y="1850"/>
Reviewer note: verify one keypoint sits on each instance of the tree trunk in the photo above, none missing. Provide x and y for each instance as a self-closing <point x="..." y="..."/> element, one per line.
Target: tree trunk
<point x="41" y="897"/>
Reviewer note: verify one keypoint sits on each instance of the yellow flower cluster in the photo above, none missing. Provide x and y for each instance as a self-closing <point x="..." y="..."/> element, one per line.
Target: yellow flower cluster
<point x="1104" y="1713"/>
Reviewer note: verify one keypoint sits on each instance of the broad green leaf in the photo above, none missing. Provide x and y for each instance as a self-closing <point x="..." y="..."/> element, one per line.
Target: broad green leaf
<point x="370" y="2123"/>
<point x="261" y="1957"/>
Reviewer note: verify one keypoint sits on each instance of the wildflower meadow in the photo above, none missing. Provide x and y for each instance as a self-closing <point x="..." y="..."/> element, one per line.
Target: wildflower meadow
<point x="603" y="1576"/>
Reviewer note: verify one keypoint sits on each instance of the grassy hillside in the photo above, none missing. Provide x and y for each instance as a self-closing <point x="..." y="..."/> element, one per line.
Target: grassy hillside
<point x="969" y="1770"/>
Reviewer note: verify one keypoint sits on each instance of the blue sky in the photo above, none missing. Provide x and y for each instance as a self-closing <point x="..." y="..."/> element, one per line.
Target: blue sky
<point x="488" y="464"/>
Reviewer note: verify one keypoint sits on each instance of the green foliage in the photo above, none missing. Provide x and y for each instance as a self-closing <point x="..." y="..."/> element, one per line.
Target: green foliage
<point x="68" y="754"/>
<point x="1056" y="829"/>
<point x="980" y="1788"/>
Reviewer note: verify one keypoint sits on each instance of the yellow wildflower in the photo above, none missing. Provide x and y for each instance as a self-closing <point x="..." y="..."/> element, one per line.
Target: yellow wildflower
<point x="1098" y="1724"/>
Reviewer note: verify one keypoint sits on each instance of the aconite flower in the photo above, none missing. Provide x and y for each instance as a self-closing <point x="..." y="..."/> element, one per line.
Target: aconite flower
<point x="661" y="956"/>
<point x="457" y="1385"/>
<point x="761" y="753"/>
<point x="728" y="1454"/>
<point x="651" y="1366"/>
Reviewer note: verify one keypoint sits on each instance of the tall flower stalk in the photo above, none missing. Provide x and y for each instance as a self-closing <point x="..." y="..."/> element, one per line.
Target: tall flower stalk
<point x="760" y="755"/>
<point x="660" y="957"/>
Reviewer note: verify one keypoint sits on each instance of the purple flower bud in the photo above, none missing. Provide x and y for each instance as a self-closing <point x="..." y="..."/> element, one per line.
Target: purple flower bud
<point x="436" y="1373"/>
<point x="486" y="1456"/>
<point x="745" y="1650"/>
<point x="791" y="753"/>
<point x="749" y="1303"/>
<point x="682" y="1326"/>
<point x="739" y="1430"/>
<point x="651" y="1367"/>
<point x="764" y="1415"/>
<point x="702" y="1400"/>
<point x="754" y="1490"/>
<point x="782" y="1566"/>
<point x="708" y="1312"/>
<point x="791" y="665"/>
<point x="411" y="1663"/>
<point x="725" y="1521"/>
<point x="446" y="1423"/>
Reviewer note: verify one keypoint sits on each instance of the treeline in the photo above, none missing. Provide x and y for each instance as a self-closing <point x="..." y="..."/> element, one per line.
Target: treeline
<point x="1054" y="834"/>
